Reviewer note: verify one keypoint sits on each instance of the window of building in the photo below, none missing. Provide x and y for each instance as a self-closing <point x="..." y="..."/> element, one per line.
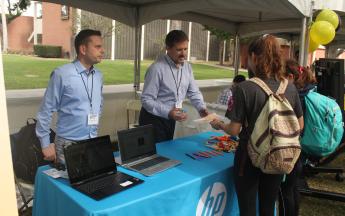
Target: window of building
<point x="64" y="12"/>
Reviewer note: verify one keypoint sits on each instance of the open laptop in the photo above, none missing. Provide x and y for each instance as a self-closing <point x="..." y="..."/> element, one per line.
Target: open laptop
<point x="138" y="151"/>
<point x="92" y="170"/>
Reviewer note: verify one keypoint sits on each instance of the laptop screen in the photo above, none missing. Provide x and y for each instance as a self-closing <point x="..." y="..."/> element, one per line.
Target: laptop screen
<point x="89" y="158"/>
<point x="136" y="143"/>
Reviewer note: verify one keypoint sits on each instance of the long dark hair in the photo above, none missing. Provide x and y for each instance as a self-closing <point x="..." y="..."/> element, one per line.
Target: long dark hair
<point x="268" y="57"/>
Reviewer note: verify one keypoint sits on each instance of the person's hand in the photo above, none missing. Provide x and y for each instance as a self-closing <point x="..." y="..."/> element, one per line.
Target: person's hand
<point x="49" y="153"/>
<point x="177" y="114"/>
<point x="203" y="113"/>
<point x="217" y="124"/>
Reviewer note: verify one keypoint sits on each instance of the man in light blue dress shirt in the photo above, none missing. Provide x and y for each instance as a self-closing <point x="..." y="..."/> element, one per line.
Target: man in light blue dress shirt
<point x="167" y="83"/>
<point x="75" y="93"/>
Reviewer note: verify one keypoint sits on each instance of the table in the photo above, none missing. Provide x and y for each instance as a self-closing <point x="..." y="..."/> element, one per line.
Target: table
<point x="195" y="187"/>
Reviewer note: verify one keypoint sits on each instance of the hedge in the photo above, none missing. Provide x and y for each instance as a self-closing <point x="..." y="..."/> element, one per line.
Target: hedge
<point x="48" y="51"/>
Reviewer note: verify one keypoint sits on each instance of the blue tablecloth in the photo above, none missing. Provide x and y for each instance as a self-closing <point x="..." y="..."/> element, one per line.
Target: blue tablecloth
<point x="193" y="188"/>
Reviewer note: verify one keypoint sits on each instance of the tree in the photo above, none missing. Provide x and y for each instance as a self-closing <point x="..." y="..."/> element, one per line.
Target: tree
<point x="16" y="9"/>
<point x="221" y="36"/>
<point x="94" y="21"/>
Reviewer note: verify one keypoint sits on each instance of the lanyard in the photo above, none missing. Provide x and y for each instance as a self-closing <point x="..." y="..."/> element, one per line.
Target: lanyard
<point x="87" y="89"/>
<point x="175" y="80"/>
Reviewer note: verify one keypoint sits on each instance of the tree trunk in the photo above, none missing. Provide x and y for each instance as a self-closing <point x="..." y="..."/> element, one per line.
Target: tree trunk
<point x="220" y="56"/>
<point x="231" y="48"/>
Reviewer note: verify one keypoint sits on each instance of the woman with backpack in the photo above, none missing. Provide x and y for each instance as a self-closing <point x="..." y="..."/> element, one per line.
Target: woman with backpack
<point x="306" y="81"/>
<point x="302" y="77"/>
<point x="264" y="59"/>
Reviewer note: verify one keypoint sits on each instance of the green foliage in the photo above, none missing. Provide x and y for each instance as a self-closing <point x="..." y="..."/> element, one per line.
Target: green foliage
<point x="220" y="34"/>
<point x="47" y="51"/>
<point x="90" y="20"/>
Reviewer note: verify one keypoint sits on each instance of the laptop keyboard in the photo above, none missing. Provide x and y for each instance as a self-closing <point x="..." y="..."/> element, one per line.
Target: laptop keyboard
<point x="149" y="163"/>
<point x="101" y="183"/>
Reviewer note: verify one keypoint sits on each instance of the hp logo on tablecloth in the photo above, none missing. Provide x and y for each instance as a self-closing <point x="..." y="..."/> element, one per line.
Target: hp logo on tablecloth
<point x="212" y="201"/>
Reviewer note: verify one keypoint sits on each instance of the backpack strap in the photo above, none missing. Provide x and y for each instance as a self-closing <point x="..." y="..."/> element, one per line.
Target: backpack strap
<point x="262" y="84"/>
<point x="282" y="87"/>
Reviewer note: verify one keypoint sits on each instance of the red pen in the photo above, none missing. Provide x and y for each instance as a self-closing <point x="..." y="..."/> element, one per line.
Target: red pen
<point x="198" y="156"/>
<point x="204" y="154"/>
<point x="212" y="153"/>
<point x="217" y="152"/>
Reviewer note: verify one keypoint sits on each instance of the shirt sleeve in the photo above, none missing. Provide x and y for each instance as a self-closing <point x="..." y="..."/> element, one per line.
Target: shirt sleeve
<point x="237" y="113"/>
<point x="194" y="94"/>
<point x="50" y="104"/>
<point x="150" y="93"/>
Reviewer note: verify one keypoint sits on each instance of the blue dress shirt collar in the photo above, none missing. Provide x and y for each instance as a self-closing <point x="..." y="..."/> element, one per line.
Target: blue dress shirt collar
<point x="80" y="67"/>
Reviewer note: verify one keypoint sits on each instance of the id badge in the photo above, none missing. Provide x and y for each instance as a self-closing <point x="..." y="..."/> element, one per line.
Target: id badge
<point x="178" y="104"/>
<point x="92" y="119"/>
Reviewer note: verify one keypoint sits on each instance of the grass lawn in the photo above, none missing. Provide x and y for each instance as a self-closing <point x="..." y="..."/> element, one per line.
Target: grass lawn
<point x="28" y="72"/>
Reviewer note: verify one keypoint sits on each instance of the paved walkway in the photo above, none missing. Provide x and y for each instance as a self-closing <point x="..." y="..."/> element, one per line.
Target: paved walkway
<point x="213" y="64"/>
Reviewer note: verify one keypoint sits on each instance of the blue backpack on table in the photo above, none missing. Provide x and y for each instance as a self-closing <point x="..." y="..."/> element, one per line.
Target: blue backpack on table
<point x="323" y="125"/>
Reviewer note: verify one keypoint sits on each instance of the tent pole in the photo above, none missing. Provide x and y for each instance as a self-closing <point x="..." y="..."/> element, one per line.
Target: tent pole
<point x="237" y="54"/>
<point x="306" y="45"/>
<point x="137" y="48"/>
<point x="302" y="41"/>
<point x="137" y="58"/>
<point x="307" y="33"/>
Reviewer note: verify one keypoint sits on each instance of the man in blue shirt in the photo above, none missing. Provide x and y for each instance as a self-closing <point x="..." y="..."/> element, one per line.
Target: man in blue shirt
<point x="167" y="83"/>
<point x="75" y="93"/>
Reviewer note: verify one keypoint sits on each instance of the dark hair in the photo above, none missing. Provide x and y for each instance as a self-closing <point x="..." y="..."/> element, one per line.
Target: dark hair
<point x="175" y="36"/>
<point x="83" y="36"/>
<point x="291" y="67"/>
<point x="239" y="78"/>
<point x="268" y="57"/>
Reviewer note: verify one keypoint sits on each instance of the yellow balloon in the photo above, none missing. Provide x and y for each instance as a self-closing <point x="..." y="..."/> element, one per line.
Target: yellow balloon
<point x="329" y="16"/>
<point x="312" y="45"/>
<point x="322" y="32"/>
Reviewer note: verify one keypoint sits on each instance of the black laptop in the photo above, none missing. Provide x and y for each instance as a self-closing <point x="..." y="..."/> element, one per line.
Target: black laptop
<point x="92" y="170"/>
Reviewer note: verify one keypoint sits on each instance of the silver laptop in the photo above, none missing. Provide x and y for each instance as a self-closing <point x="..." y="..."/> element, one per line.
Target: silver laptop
<point x="138" y="151"/>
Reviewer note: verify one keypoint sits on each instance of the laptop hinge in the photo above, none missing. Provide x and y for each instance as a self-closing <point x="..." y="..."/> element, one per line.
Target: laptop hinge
<point x="141" y="160"/>
<point x="94" y="177"/>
